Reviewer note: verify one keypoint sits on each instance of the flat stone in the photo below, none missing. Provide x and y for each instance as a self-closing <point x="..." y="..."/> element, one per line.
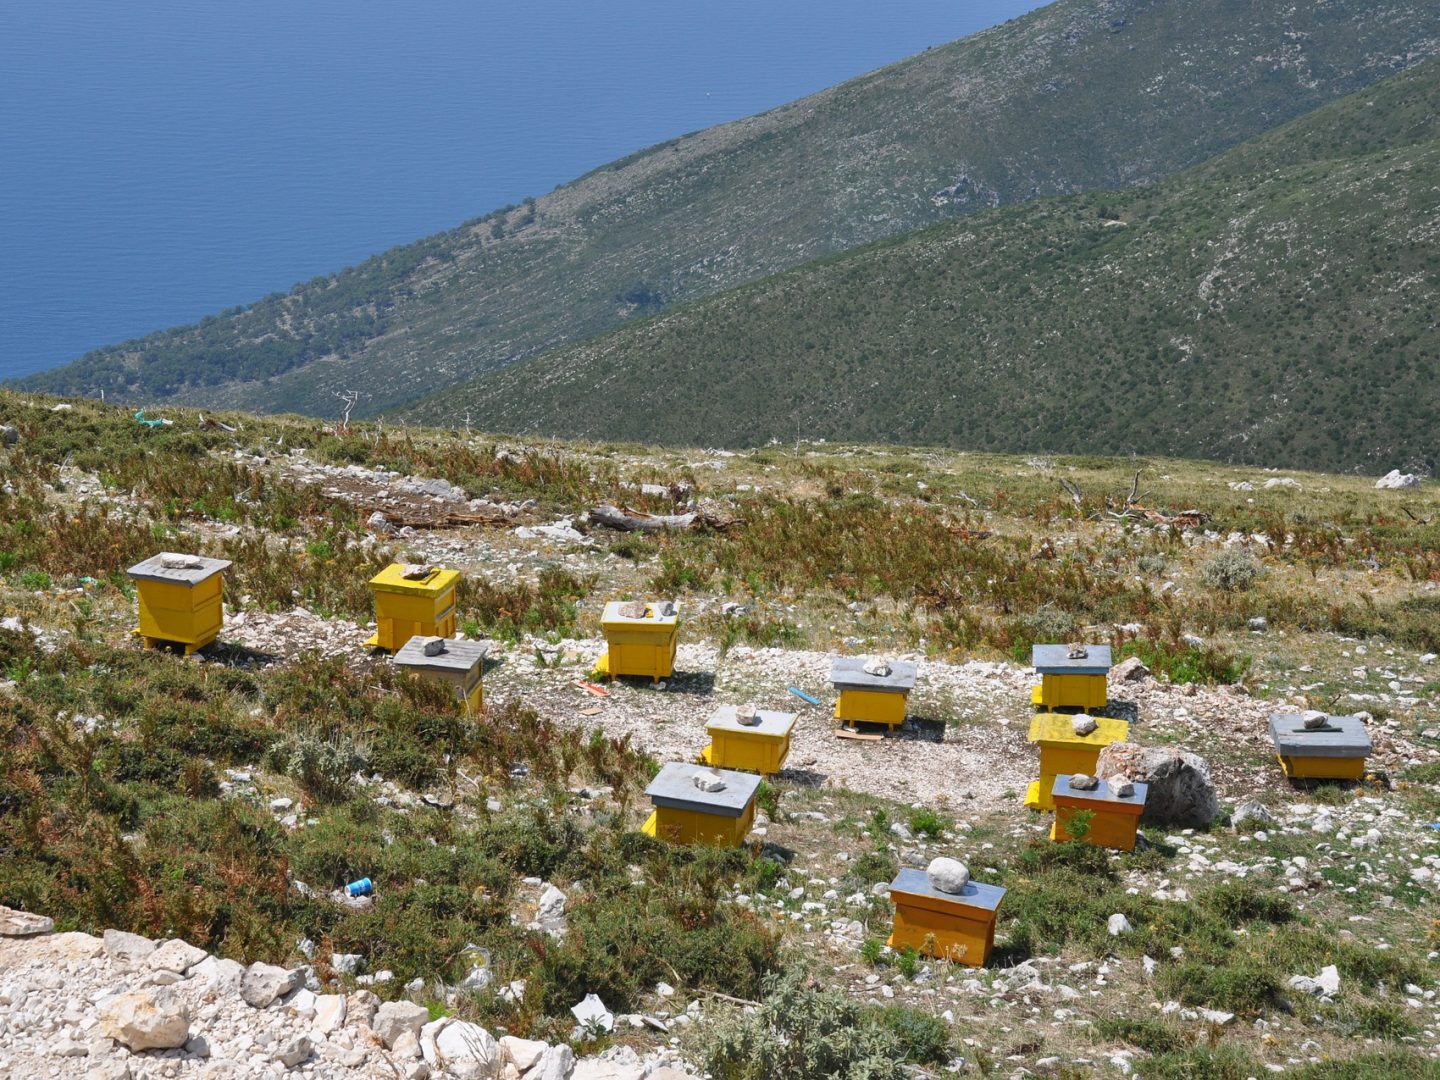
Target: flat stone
<point x="394" y="1018"/>
<point x="263" y="983"/>
<point x="155" y="1019"/>
<point x="127" y="947"/>
<point x="522" y="1053"/>
<point x="14" y="923"/>
<point x="176" y="955"/>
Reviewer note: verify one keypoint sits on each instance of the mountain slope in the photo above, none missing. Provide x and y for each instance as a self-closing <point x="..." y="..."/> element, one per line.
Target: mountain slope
<point x="1276" y="305"/>
<point x="1081" y="95"/>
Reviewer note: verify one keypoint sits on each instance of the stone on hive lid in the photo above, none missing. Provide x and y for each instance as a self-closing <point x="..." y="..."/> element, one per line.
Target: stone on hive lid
<point x="709" y="780"/>
<point x="1315" y="720"/>
<point x="666" y="608"/>
<point x="1083" y="782"/>
<point x="877" y="666"/>
<point x="947" y="875"/>
<point x="848" y="672"/>
<point x="1121" y="789"/>
<point x="635" y="609"/>
<point x="747" y="715"/>
<point x="1077" y="652"/>
<point x="1340" y="736"/>
<point x="418" y="571"/>
<point x="1083" y="724"/>
<point x="434" y="646"/>
<point x="172" y="561"/>
<point x="1060" y="659"/>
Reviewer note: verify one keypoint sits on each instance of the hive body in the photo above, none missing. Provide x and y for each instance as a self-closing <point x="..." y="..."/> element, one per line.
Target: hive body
<point x="1114" y="819"/>
<point x="1337" y="752"/>
<point x="179" y="606"/>
<point x="871" y="699"/>
<point x="958" y="927"/>
<point x="761" y="748"/>
<point x="684" y="814"/>
<point x="639" y="646"/>
<point x="1067" y="683"/>
<point x="461" y="667"/>
<point x="405" y="607"/>
<point x="1062" y="751"/>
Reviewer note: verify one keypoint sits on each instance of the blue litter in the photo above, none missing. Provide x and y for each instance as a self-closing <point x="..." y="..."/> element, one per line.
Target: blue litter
<point x="363" y="887"/>
<point x="804" y="696"/>
<point x="1433" y="825"/>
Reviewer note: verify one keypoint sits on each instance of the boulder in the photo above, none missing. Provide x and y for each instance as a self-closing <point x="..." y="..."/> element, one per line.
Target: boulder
<point x="15" y="923"/>
<point x="466" y="1050"/>
<point x="263" y="983"/>
<point x="1395" y="480"/>
<point x="222" y="976"/>
<point x="155" y="1019"/>
<point x="552" y="904"/>
<point x="1118" y="924"/>
<point x="1254" y="813"/>
<point x="127" y="947"/>
<point x="556" y="1063"/>
<point x="1131" y="669"/>
<point x="8" y="435"/>
<point x="1180" y="789"/>
<point x="522" y="1053"/>
<point x="175" y="955"/>
<point x="394" y="1018"/>
<point x="947" y="875"/>
<point x="329" y="1013"/>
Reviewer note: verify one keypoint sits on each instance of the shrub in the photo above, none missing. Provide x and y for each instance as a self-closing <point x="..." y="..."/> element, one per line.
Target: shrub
<point x="321" y="764"/>
<point x="1231" y="571"/>
<point x="926" y="822"/>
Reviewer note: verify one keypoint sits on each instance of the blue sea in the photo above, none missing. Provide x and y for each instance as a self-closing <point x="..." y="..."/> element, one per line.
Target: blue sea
<point x="160" y="161"/>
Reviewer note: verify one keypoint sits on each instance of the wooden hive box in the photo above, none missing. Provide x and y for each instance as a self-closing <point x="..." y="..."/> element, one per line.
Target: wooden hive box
<point x="461" y="666"/>
<point x="958" y="927"/>
<point x="179" y="605"/>
<point x="871" y="699"/>
<point x="405" y="606"/>
<point x="1062" y="751"/>
<point x="642" y="645"/>
<point x="684" y="814"/>
<point x="1070" y="682"/>
<point x="1114" y="818"/>
<point x="1334" y="752"/>
<point x="760" y="748"/>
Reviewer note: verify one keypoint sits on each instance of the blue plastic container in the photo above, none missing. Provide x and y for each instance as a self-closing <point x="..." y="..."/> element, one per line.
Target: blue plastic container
<point x="363" y="887"/>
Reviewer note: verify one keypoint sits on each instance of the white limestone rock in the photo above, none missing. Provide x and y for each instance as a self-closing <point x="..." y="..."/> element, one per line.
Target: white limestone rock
<point x="263" y="983"/>
<point x="394" y="1018"/>
<point x="155" y="1019"/>
<point x="947" y="875"/>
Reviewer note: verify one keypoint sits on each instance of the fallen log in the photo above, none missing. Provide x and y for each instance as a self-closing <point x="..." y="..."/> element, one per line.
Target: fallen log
<point x="624" y="519"/>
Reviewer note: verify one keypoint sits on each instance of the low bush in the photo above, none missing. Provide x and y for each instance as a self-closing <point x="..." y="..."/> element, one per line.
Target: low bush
<point x="1231" y="571"/>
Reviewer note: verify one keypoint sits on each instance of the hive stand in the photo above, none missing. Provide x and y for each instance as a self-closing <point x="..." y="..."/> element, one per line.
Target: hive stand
<point x="461" y="666"/>
<point x="1115" y="819"/>
<point x="950" y="926"/>
<point x="1335" y="754"/>
<point x="644" y="646"/>
<point x="871" y="699"/>
<point x="1067" y="684"/>
<point x="761" y="748"/>
<point x="1062" y="751"/>
<point x="179" y="606"/>
<point x="405" y="607"/>
<point x="686" y="815"/>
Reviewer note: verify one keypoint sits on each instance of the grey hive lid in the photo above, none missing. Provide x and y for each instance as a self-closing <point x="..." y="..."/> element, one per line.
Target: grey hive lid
<point x="1287" y="731"/>
<point x="151" y="570"/>
<point x="975" y="894"/>
<point x="1055" y="660"/>
<point x="675" y="788"/>
<point x="848" y="672"/>
<point x="1102" y="794"/>
<point x="612" y="614"/>
<point x="461" y="655"/>
<point x="776" y="724"/>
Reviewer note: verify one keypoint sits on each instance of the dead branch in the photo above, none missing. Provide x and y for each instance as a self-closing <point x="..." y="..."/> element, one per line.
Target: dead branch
<point x="624" y="519"/>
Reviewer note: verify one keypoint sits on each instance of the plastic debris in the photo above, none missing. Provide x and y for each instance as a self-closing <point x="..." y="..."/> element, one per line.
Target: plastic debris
<point x="140" y="419"/>
<point x="363" y="887"/>
<point x="803" y="696"/>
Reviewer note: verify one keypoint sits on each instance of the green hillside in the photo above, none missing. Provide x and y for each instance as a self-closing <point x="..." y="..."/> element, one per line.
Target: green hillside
<point x="1276" y="305"/>
<point x="1082" y="95"/>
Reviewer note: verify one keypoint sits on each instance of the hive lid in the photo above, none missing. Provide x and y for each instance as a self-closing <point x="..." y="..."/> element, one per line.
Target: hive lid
<point x="975" y="894"/>
<point x="459" y="655"/>
<point x="1352" y="740"/>
<point x="152" y="570"/>
<point x="652" y="617"/>
<point x="1059" y="728"/>
<point x="848" y="673"/>
<point x="774" y="724"/>
<point x="1056" y="660"/>
<point x="1101" y="794"/>
<point x="393" y="579"/>
<point x="675" y="788"/>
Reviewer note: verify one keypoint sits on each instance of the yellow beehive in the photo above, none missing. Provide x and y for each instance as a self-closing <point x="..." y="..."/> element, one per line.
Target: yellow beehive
<point x="180" y="600"/>
<point x="640" y="639"/>
<point x="1063" y="751"/>
<point x="952" y="926"/>
<point x="411" y="600"/>
<point x="1335" y="749"/>
<point x="687" y="814"/>
<point x="1069" y="681"/>
<point x="458" y="664"/>
<point x="866" y="697"/>
<point x="1114" y="818"/>
<point x="759" y="747"/>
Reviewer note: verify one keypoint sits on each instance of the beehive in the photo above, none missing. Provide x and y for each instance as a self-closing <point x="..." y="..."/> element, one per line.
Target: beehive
<point x="1114" y="818"/>
<point x="1336" y="751"/>
<point x="460" y="665"/>
<point x="1062" y="751"/>
<point x="760" y="748"/>
<point x="952" y="926"/>
<point x="641" y="645"/>
<point x="1070" y="682"/>
<point x="871" y="699"/>
<point x="179" y="605"/>
<point x="412" y="600"/>
<point x="684" y="814"/>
